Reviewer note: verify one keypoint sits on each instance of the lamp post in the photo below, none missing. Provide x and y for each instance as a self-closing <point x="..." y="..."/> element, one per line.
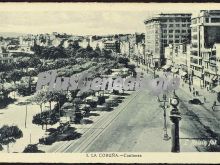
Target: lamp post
<point x="166" y="136"/>
<point x="175" y="117"/>
<point x="26" y="113"/>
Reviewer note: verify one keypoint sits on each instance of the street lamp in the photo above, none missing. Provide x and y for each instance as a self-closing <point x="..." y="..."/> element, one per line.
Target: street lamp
<point x="175" y="117"/>
<point x="166" y="136"/>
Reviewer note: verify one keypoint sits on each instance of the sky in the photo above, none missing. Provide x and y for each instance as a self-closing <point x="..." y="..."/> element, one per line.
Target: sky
<point x="74" y="22"/>
<point x="92" y="19"/>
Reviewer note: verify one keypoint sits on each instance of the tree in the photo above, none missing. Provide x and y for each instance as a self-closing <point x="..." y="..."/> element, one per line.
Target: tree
<point x="54" y="53"/>
<point x="123" y="60"/>
<point x="45" y="118"/>
<point x="22" y="62"/>
<point x="5" y="67"/>
<point x="9" y="134"/>
<point x="97" y="49"/>
<point x="34" y="62"/>
<point x="14" y="76"/>
<point x="89" y="48"/>
<point x="50" y="116"/>
<point x="39" y="98"/>
<point x="37" y="50"/>
<point x="74" y="45"/>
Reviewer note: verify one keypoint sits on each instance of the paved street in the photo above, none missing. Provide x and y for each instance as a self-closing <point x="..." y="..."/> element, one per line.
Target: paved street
<point x="136" y="126"/>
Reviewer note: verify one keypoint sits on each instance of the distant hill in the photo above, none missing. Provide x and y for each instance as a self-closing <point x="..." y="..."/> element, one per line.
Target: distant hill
<point x="10" y="34"/>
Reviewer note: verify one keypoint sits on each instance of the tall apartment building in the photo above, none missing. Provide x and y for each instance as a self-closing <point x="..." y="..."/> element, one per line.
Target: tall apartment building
<point x="162" y="30"/>
<point x="205" y="34"/>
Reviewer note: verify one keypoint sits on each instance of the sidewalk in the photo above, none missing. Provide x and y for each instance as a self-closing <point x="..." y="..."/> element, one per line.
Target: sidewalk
<point x="210" y="97"/>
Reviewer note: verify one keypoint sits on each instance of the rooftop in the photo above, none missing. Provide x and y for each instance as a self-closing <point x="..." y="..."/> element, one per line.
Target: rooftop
<point x="167" y="15"/>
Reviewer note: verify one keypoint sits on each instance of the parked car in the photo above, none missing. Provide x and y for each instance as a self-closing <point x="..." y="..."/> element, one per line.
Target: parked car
<point x="195" y="101"/>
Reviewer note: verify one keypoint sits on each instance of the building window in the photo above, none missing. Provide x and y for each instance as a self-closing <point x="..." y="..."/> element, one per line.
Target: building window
<point x="170" y="20"/>
<point x="183" y="31"/>
<point x="200" y="61"/>
<point x="206" y="20"/>
<point x="183" y="25"/>
<point x="170" y="36"/>
<point x="188" y="19"/>
<point x="176" y="41"/>
<point x="163" y="25"/>
<point x="194" y="45"/>
<point x="194" y="37"/>
<point x="194" y="29"/>
<point x="165" y="31"/>
<point x="177" y="25"/>
<point x="176" y="36"/>
<point x="170" y="31"/>
<point x="163" y="20"/>
<point x="164" y="36"/>
<point x="171" y="25"/>
<point x="177" y="20"/>
<point x="194" y="60"/>
<point x="177" y="31"/>
<point x="194" y="21"/>
<point x="215" y="20"/>
<point x="195" y="53"/>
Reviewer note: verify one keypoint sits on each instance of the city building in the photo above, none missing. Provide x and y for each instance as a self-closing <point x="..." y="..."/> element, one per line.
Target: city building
<point x="5" y="57"/>
<point x="205" y="36"/>
<point x="133" y="46"/>
<point x="162" y="30"/>
<point x="27" y="40"/>
<point x="112" y="45"/>
<point x="125" y="48"/>
<point x="84" y="43"/>
<point x="178" y="59"/>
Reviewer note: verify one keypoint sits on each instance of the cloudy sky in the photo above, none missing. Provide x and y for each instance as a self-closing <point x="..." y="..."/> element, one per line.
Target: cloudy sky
<point x="80" y="19"/>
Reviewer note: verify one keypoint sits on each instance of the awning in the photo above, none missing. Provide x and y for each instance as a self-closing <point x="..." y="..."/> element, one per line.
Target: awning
<point x="216" y="89"/>
<point x="166" y="67"/>
<point x="174" y="70"/>
<point x="214" y="78"/>
<point x="183" y="74"/>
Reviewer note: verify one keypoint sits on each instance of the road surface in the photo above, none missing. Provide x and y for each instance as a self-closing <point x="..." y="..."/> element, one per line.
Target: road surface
<point x="136" y="126"/>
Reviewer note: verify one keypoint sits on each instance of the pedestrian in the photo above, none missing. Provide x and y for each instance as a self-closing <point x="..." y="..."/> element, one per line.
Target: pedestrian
<point x="190" y="89"/>
<point x="214" y="103"/>
<point x="204" y="100"/>
<point x="213" y="107"/>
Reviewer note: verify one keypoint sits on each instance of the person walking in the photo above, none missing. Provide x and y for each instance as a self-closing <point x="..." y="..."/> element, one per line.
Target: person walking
<point x="213" y="107"/>
<point x="193" y="93"/>
<point x="204" y="99"/>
